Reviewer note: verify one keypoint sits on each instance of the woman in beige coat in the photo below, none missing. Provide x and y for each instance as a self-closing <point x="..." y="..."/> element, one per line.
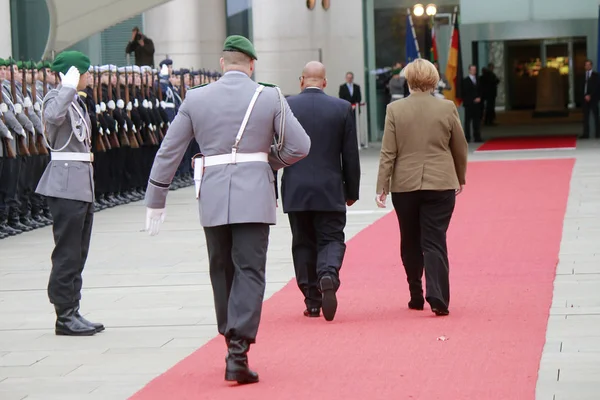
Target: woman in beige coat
<point x="423" y="165"/>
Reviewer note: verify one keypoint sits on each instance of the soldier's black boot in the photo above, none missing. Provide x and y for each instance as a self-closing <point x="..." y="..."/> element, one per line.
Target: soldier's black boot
<point x="96" y="325"/>
<point x="237" y="369"/>
<point x="4" y="228"/>
<point x="28" y="221"/>
<point x="15" y="223"/>
<point x="67" y="324"/>
<point x="3" y="235"/>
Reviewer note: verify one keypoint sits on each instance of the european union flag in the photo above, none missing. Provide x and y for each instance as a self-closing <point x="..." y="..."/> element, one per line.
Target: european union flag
<point x="412" y="47"/>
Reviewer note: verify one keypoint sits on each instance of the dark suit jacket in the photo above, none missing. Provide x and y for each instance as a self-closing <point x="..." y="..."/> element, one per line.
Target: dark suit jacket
<point x="330" y="174"/>
<point x="592" y="86"/>
<point x="344" y="93"/>
<point x="470" y="91"/>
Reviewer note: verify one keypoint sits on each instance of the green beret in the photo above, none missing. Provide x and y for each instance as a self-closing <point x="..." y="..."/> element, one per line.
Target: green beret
<point x="2" y="62"/>
<point x="20" y="64"/>
<point x="68" y="59"/>
<point x="198" y="86"/>
<point x="396" y="71"/>
<point x="240" y="44"/>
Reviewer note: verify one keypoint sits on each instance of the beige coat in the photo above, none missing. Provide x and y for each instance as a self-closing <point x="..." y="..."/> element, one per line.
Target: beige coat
<point x="424" y="146"/>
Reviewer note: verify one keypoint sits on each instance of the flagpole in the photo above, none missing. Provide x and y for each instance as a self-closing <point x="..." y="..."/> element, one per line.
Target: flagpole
<point x="412" y="27"/>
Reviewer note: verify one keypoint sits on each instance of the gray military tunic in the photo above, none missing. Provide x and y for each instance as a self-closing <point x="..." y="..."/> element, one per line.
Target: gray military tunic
<point x="212" y="115"/>
<point x="67" y="127"/>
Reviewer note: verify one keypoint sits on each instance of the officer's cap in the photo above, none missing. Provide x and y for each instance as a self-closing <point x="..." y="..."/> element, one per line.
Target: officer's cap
<point x="68" y="59"/>
<point x="240" y="44"/>
<point x="166" y="61"/>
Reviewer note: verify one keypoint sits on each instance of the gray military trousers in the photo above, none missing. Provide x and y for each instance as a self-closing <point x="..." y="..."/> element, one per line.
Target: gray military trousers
<point x="237" y="257"/>
<point x="72" y="229"/>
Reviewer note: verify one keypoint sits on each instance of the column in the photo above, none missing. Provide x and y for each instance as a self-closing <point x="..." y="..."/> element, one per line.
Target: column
<point x="496" y="56"/>
<point x="5" y="29"/>
<point x="287" y="35"/>
<point x="190" y="32"/>
<point x="543" y="56"/>
<point x="571" y="54"/>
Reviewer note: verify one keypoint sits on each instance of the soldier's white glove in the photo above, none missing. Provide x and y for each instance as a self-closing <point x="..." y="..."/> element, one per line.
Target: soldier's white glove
<point x="27" y="102"/>
<point x="103" y="106"/>
<point x="116" y="127"/>
<point x="145" y="103"/>
<point x="125" y="127"/>
<point x="101" y="131"/>
<point x="22" y="133"/>
<point x="18" y="108"/>
<point x="150" y="105"/>
<point x="441" y="84"/>
<point x="111" y="105"/>
<point x="71" y="79"/>
<point x="157" y="103"/>
<point x="98" y="110"/>
<point x="163" y="104"/>
<point x="136" y="103"/>
<point x="9" y="136"/>
<point x="37" y="106"/>
<point x="3" y="107"/>
<point x="134" y="129"/>
<point x="120" y="104"/>
<point x="151" y="127"/>
<point x="129" y="106"/>
<point x="154" y="218"/>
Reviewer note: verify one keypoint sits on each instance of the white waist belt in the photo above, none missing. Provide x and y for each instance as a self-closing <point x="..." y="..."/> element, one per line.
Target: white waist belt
<point x="222" y="159"/>
<point x="67" y="156"/>
<point x="169" y="105"/>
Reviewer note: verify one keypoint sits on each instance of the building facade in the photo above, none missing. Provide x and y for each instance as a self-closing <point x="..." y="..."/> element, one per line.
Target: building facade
<point x="361" y="36"/>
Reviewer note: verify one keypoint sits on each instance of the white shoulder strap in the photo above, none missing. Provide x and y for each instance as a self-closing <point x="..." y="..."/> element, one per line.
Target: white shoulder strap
<point x="240" y="133"/>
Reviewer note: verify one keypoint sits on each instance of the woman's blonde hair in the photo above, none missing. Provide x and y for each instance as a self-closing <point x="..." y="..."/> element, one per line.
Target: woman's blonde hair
<point x="421" y="75"/>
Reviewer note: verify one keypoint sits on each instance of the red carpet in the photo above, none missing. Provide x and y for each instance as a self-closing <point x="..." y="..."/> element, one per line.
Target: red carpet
<point x="504" y="244"/>
<point x="530" y="143"/>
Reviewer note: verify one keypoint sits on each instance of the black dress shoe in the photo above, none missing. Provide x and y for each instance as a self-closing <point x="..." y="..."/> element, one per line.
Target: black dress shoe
<point x="416" y="303"/>
<point x="237" y="369"/>
<point x="69" y="325"/>
<point x="328" y="298"/>
<point x="438" y="307"/>
<point x="312" y="312"/>
<point x="96" y="325"/>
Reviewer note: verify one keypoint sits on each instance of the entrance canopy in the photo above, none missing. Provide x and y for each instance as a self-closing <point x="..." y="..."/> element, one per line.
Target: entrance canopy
<point x="75" y="20"/>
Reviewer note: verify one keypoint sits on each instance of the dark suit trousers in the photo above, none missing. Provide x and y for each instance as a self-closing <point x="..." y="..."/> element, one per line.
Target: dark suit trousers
<point x="237" y="256"/>
<point x="490" y="110"/>
<point x="473" y="116"/>
<point x="424" y="217"/>
<point x="72" y="231"/>
<point x="590" y="107"/>
<point x="318" y="248"/>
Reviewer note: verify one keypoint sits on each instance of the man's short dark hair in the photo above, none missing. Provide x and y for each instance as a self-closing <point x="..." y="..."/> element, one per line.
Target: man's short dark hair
<point x="135" y="29"/>
<point x="589" y="61"/>
<point x="351" y="73"/>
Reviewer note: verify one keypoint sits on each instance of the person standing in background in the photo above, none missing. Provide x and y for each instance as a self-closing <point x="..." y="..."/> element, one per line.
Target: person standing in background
<point x="143" y="48"/>
<point x="489" y="89"/>
<point x="590" y="100"/>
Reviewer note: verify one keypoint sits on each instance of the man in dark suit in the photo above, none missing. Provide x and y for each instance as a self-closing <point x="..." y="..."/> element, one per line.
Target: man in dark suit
<point x="489" y="88"/>
<point x="316" y="191"/>
<point x="350" y="91"/>
<point x="471" y="96"/>
<point x="590" y="100"/>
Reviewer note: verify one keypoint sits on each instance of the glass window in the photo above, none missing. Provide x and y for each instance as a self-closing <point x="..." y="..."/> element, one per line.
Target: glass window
<point x="239" y="17"/>
<point x="30" y="28"/>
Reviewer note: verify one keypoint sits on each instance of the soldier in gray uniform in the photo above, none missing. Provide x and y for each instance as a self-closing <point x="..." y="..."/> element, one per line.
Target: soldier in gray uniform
<point x="68" y="184"/>
<point x="235" y="122"/>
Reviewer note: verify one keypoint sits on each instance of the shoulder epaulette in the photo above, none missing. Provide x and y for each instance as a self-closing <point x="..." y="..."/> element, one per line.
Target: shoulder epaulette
<point x="199" y="86"/>
<point x="267" y="84"/>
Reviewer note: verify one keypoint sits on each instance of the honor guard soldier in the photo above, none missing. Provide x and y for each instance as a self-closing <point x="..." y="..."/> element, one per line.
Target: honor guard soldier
<point x="235" y="122"/>
<point x="68" y="184"/>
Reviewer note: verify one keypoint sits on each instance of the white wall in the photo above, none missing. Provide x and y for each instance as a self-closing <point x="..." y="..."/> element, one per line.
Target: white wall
<point x="5" y="29"/>
<point x="191" y="32"/>
<point x="287" y="35"/>
<point x="486" y="11"/>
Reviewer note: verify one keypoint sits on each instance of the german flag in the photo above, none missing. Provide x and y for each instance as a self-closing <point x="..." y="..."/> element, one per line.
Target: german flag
<point x="454" y="67"/>
<point x="434" y="52"/>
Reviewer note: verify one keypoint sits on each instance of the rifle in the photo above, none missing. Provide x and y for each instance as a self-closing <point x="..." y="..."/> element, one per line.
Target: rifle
<point x="102" y="140"/>
<point x="39" y="140"/>
<point x="135" y="137"/>
<point x="13" y="91"/>
<point x="159" y="130"/>
<point x="146" y="95"/>
<point x="114" y="142"/>
<point x="123" y="141"/>
<point x="31" y="142"/>
<point x="9" y="151"/>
